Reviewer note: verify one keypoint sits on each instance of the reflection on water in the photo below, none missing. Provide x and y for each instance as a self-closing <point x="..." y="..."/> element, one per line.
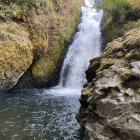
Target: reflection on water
<point x="39" y="115"/>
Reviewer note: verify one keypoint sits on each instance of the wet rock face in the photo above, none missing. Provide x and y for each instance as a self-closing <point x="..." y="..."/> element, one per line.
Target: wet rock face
<point x="110" y="101"/>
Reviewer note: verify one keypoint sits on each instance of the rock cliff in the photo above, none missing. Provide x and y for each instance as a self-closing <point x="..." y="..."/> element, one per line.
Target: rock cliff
<point x="110" y="100"/>
<point x="33" y="35"/>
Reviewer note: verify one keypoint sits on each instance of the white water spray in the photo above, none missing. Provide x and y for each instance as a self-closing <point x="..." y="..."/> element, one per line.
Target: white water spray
<point x="86" y="45"/>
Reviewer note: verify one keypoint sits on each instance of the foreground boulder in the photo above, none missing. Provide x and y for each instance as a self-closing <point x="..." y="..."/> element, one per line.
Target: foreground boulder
<point x="110" y="100"/>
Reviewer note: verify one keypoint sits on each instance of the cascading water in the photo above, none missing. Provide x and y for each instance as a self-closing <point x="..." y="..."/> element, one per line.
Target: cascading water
<point x="85" y="46"/>
<point x="49" y="114"/>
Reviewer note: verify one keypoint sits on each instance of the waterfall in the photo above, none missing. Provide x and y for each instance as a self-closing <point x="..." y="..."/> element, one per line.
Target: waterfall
<point x="50" y="113"/>
<point x="85" y="46"/>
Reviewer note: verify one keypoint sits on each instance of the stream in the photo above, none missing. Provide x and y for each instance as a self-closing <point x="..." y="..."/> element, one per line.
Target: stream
<point x="49" y="114"/>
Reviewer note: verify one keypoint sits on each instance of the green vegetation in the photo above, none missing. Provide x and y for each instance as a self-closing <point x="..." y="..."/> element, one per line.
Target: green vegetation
<point x="70" y="30"/>
<point x="65" y="38"/>
<point x="17" y="9"/>
<point x="118" y="9"/>
<point x="46" y="68"/>
<point x="119" y="16"/>
<point x="49" y="29"/>
<point x="49" y="5"/>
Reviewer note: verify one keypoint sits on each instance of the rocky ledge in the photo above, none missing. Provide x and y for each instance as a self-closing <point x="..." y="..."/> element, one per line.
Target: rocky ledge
<point x="110" y="100"/>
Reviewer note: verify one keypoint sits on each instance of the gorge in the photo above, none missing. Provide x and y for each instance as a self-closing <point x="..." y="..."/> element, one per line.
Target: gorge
<point x="70" y="71"/>
<point x="50" y="113"/>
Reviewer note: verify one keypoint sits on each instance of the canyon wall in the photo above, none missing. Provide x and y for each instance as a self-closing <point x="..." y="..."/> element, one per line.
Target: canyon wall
<point x="110" y="100"/>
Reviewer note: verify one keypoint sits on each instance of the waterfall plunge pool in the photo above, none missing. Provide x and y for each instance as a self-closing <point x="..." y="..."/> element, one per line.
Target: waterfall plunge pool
<point x="40" y="115"/>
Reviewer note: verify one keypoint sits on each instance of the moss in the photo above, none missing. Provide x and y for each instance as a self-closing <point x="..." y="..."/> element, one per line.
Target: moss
<point x="20" y="9"/>
<point x="39" y="40"/>
<point x="71" y="29"/>
<point x="49" y="5"/>
<point x="16" y="54"/>
<point x="51" y="60"/>
<point x="42" y="70"/>
<point x="37" y="32"/>
<point x="86" y="85"/>
<point x="91" y="72"/>
<point x="106" y="63"/>
<point x="61" y="35"/>
<point x="130" y="25"/>
<point x="110" y="31"/>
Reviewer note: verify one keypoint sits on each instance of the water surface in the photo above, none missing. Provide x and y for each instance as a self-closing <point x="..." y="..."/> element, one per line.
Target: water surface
<point x="40" y="115"/>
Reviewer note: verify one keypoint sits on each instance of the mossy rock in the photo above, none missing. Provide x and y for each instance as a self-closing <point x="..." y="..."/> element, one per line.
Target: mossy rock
<point x="16" y="54"/>
<point x="60" y="30"/>
<point x="125" y="48"/>
<point x="43" y="70"/>
<point x="35" y="34"/>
